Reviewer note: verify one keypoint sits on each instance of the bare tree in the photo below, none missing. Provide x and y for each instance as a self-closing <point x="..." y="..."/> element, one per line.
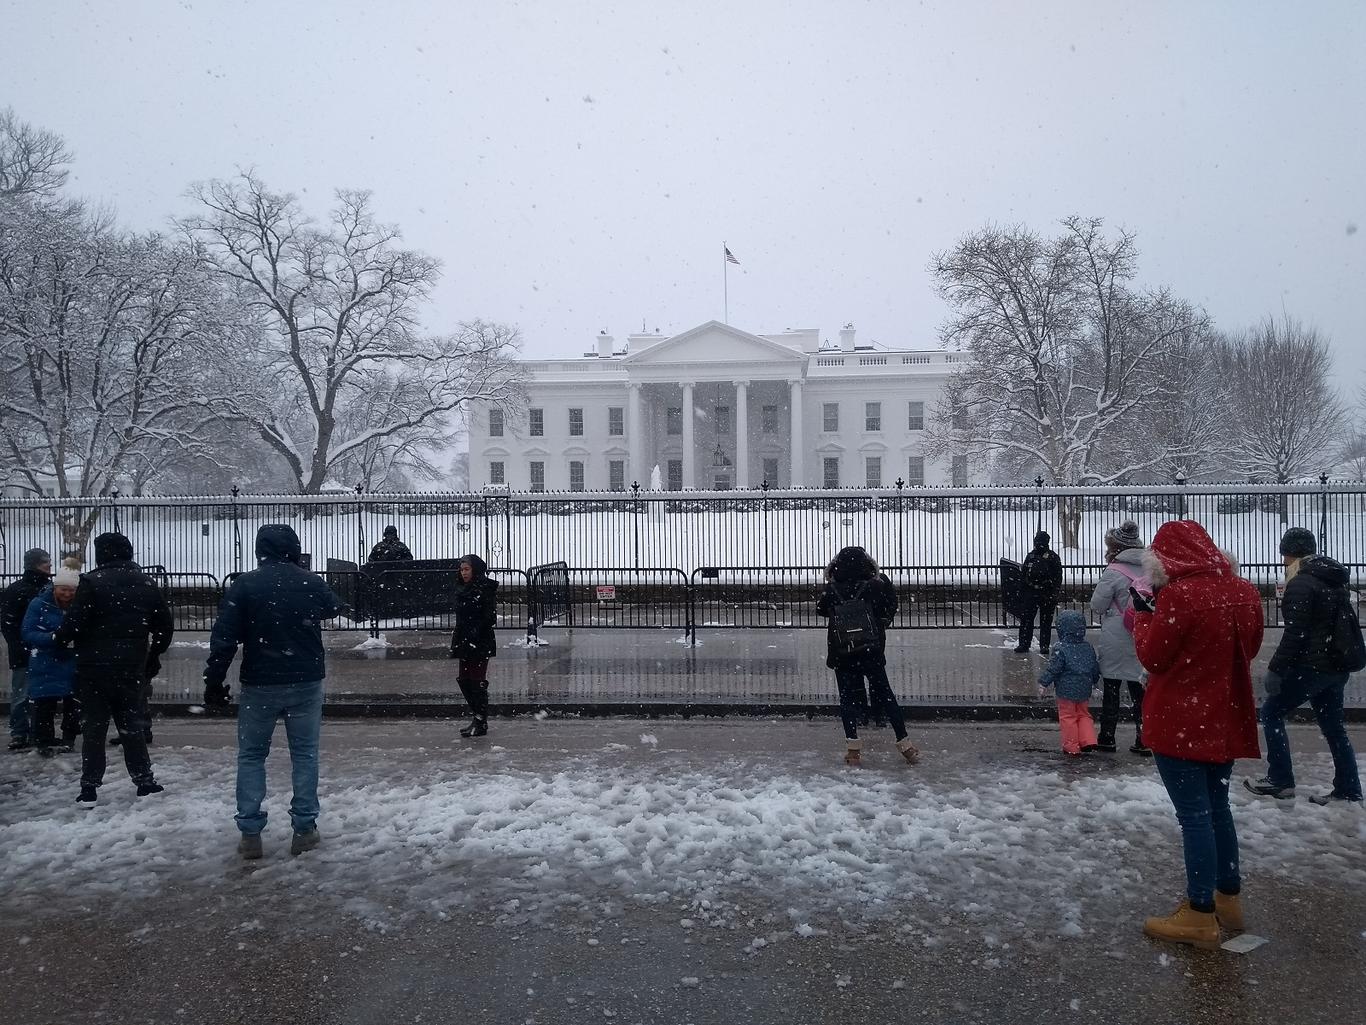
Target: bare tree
<point x="32" y="160"/>
<point x="1288" y="418"/>
<point x="1064" y="353"/>
<point x="334" y="363"/>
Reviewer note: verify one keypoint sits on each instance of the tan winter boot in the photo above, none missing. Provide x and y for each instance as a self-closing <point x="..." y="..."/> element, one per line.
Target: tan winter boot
<point x="908" y="750"/>
<point x="1186" y="925"/>
<point x="853" y="753"/>
<point x="1228" y="909"/>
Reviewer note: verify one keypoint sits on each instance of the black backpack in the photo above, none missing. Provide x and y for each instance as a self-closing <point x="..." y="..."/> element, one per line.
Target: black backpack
<point x="1349" y="647"/>
<point x="855" y="627"/>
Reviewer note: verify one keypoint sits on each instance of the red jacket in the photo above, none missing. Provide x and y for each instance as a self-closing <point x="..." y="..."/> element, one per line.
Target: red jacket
<point x="1198" y="648"/>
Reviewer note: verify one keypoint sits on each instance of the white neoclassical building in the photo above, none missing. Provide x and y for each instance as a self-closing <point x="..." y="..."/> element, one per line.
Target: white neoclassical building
<point x="716" y="408"/>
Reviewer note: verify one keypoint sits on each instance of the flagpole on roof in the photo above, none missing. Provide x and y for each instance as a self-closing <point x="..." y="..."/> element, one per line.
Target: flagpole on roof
<point x="725" y="283"/>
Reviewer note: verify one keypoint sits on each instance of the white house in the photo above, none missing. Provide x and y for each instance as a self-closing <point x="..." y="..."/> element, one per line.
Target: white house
<point x="718" y="408"/>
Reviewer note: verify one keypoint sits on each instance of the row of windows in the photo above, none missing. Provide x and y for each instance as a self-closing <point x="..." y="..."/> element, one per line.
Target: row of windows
<point x="616" y="422"/>
<point x="673" y="419"/>
<point x="872" y="416"/>
<point x="830" y="473"/>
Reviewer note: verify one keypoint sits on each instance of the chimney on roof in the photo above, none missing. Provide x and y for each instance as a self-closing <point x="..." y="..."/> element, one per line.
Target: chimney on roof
<point x="605" y="342"/>
<point x="847" y="338"/>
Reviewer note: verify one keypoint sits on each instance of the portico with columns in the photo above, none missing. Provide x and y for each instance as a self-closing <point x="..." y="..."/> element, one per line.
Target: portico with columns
<point x="715" y="408"/>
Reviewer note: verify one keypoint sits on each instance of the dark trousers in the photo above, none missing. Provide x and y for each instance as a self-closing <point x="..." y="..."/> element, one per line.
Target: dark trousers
<point x="108" y="694"/>
<point x="849" y="678"/>
<point x="45" y="717"/>
<point x="1109" y="710"/>
<point x="1323" y="691"/>
<point x="474" y="684"/>
<point x="1044" y="610"/>
<point x="1209" y="841"/>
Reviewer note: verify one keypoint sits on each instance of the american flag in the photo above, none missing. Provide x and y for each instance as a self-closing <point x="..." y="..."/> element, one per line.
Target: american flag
<point x="730" y="257"/>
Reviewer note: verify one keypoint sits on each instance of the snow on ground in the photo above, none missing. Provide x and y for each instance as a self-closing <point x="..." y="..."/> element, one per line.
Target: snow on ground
<point x="1023" y="851"/>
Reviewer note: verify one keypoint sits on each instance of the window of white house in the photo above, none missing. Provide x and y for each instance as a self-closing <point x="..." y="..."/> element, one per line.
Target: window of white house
<point x="960" y="471"/>
<point x="722" y="414"/>
<point x="497" y="472"/>
<point x="768" y="421"/>
<point x="675" y="475"/>
<point x="537" y="475"/>
<point x="616" y="423"/>
<point x="575" y="475"/>
<point x="576" y="423"/>
<point x="673" y="420"/>
<point x="495" y="422"/>
<point x="771" y="472"/>
<point x="915" y="472"/>
<point x="916" y="420"/>
<point x="616" y="474"/>
<point x="872" y="416"/>
<point x="830" y="416"/>
<point x="960" y="420"/>
<point x="536" y="422"/>
<point x="830" y="476"/>
<point x="872" y="471"/>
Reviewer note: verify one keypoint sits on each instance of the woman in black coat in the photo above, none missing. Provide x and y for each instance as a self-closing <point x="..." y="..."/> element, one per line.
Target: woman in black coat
<point x="473" y="641"/>
<point x="853" y="577"/>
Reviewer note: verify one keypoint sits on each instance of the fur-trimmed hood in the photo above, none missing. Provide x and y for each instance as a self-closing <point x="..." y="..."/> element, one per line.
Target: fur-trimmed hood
<point x="1183" y="548"/>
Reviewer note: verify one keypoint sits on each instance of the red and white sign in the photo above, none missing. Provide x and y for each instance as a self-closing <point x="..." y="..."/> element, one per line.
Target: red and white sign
<point x="607" y="592"/>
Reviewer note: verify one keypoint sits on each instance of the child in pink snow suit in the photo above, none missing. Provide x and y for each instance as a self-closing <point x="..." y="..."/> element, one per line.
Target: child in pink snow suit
<point x="1073" y="671"/>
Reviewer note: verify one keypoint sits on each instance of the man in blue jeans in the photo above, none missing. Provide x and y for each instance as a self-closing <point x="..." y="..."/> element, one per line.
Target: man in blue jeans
<point x="1312" y="663"/>
<point x="275" y="613"/>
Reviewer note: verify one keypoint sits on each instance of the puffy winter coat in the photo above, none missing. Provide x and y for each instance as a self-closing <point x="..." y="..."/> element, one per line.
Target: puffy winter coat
<point x="1041" y="576"/>
<point x="390" y="549"/>
<point x="1309" y="610"/>
<point x="476" y="614"/>
<point x="51" y="668"/>
<point x="1198" y="646"/>
<point x="275" y="613"/>
<point x="1072" y="669"/>
<point x="14" y="602"/>
<point x="1110" y="600"/>
<point x="849" y="570"/>
<point x="119" y="615"/>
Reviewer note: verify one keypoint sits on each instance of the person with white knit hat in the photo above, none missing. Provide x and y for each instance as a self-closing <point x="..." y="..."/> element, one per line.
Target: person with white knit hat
<point x="52" y="668"/>
<point x="1119" y="665"/>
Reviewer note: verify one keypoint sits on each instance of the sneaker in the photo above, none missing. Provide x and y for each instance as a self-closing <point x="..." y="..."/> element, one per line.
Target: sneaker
<point x="304" y="842"/>
<point x="1265" y="788"/>
<point x="1021" y="651"/>
<point x="249" y="846"/>
<point x="20" y="743"/>
<point x="149" y="789"/>
<point x="89" y="797"/>
<point x="1324" y="800"/>
<point x="1139" y="749"/>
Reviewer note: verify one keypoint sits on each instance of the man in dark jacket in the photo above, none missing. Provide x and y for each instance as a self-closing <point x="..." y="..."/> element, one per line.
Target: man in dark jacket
<point x="14" y="602"/>
<point x="1310" y="664"/>
<point x="118" y="622"/>
<point x="390" y="548"/>
<point x="474" y="640"/>
<point x="1040" y="587"/>
<point x="275" y="613"/>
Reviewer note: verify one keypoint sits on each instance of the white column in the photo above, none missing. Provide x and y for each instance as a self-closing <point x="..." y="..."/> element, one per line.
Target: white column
<point x="689" y="455"/>
<point x="795" y="399"/>
<point x="635" y="438"/>
<point x="742" y="434"/>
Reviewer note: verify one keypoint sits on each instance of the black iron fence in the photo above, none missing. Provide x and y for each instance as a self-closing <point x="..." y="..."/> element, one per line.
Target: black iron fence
<point x="679" y="560"/>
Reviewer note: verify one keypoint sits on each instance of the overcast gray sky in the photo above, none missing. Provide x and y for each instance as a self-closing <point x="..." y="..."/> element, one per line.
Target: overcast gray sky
<point x="577" y="164"/>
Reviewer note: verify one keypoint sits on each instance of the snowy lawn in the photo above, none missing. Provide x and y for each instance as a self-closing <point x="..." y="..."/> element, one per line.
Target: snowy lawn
<point x="1026" y="849"/>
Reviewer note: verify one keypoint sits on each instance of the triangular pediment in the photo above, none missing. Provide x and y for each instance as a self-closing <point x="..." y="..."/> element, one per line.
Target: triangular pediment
<point x="714" y="342"/>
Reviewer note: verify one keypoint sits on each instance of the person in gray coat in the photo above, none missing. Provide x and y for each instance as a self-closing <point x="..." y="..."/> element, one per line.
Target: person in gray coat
<point x="1119" y="665"/>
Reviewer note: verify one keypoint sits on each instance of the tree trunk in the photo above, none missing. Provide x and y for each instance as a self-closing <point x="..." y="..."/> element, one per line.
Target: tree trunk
<point x="76" y="530"/>
<point x="1069" y="520"/>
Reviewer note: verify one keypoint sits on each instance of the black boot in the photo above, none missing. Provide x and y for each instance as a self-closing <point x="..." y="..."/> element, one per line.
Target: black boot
<point x="478" y="727"/>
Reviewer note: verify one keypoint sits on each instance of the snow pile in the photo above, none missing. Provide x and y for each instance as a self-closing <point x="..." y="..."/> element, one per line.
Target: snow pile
<point x="1012" y="848"/>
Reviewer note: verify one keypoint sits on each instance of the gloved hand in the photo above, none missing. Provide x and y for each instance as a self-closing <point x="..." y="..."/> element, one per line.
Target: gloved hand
<point x="1141" y="602"/>
<point x="217" y="697"/>
<point x="1271" y="683"/>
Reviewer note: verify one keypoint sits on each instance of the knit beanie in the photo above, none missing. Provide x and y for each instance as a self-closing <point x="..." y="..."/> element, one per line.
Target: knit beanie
<point x="1297" y="542"/>
<point x="66" y="577"/>
<point x="1124" y="537"/>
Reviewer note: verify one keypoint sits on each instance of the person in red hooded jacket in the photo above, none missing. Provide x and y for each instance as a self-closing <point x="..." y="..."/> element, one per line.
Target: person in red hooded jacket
<point x="1199" y="714"/>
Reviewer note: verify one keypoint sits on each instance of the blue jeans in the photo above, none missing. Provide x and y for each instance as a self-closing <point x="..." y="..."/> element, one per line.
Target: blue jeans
<point x="1323" y="691"/>
<point x="1199" y="793"/>
<point x="20" y="717"/>
<point x="259" y="708"/>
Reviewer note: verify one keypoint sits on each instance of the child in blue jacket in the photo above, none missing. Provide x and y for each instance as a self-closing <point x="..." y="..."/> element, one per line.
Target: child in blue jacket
<point x="1073" y="671"/>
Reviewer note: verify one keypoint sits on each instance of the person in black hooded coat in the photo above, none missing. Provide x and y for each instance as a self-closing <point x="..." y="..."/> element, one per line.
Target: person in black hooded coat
<point x="119" y="623"/>
<point x="14" y="603"/>
<point x="853" y="576"/>
<point x="1041" y="587"/>
<point x="473" y="642"/>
